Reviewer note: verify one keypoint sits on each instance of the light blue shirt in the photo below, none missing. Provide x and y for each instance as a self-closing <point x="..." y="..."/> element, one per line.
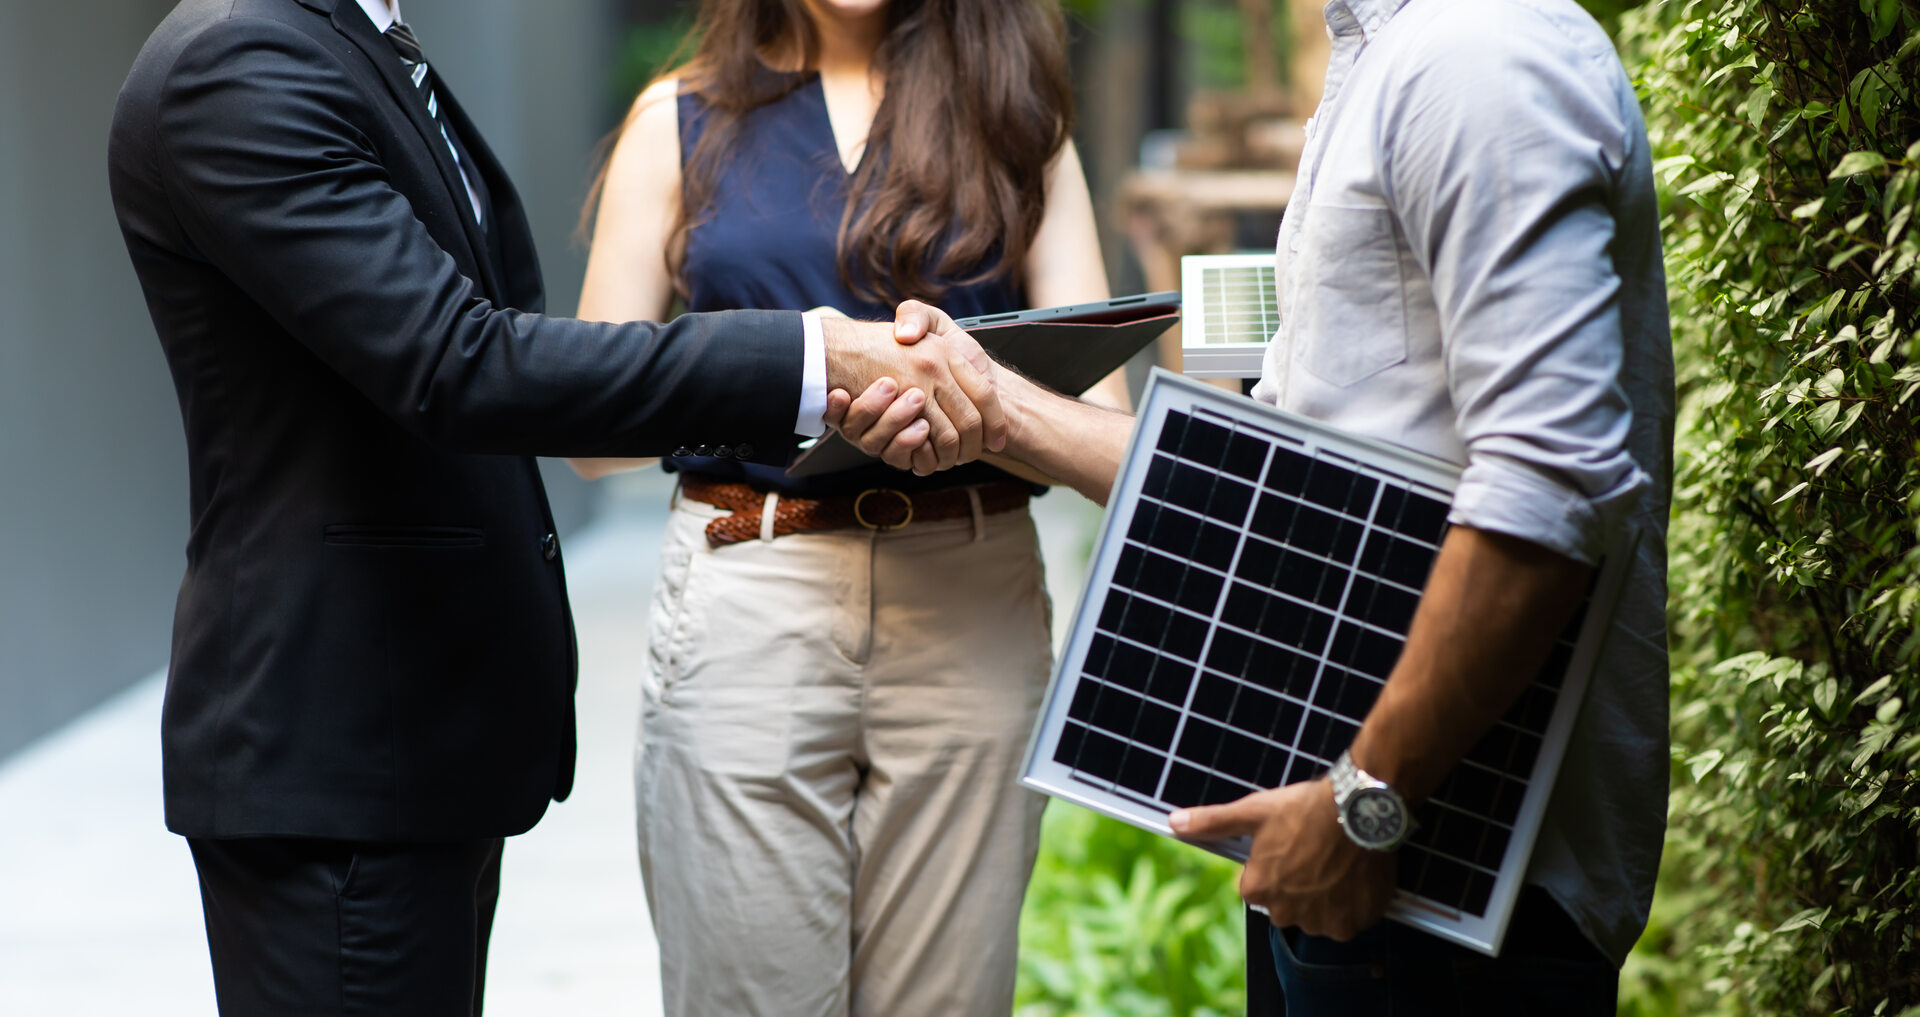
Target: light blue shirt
<point x="1470" y="267"/>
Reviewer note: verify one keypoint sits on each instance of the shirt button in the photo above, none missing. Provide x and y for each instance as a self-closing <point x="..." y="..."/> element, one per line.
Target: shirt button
<point x="683" y="451"/>
<point x="743" y="451"/>
<point x="549" y="547"/>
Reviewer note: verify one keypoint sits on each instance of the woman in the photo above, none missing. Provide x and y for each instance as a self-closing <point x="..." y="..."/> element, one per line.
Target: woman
<point x="834" y="718"/>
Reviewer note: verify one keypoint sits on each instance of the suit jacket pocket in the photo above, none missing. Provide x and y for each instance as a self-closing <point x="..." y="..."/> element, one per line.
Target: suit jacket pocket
<point x="386" y="536"/>
<point x="1351" y="310"/>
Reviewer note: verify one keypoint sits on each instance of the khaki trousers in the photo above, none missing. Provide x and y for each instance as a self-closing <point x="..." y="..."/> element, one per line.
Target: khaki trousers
<point x="832" y="725"/>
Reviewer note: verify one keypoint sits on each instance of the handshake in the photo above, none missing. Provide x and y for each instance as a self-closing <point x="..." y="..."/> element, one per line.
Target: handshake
<point x="933" y="399"/>
<point x="929" y="401"/>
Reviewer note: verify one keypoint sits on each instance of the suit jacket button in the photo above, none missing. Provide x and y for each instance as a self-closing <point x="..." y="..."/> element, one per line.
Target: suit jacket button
<point x="703" y="450"/>
<point x="549" y="547"/>
<point x="723" y="451"/>
<point x="683" y="451"/>
<point x="743" y="450"/>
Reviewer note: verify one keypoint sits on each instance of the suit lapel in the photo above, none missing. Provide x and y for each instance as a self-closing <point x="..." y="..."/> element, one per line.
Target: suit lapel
<point x="518" y="261"/>
<point x="352" y="22"/>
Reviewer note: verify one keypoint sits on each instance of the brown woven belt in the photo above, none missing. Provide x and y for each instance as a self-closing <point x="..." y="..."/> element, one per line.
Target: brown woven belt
<point x="877" y="508"/>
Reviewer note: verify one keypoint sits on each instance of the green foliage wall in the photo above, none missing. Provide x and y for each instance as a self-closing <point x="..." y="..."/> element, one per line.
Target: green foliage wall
<point x="1788" y="135"/>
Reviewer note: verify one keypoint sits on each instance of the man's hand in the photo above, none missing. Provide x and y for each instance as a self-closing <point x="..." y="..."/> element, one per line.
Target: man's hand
<point x="1302" y="869"/>
<point x="943" y="379"/>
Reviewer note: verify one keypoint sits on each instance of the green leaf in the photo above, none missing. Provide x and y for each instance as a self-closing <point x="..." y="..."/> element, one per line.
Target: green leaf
<point x="1803" y="919"/>
<point x="1825" y="693"/>
<point x="1855" y="163"/>
<point x="1818" y="464"/>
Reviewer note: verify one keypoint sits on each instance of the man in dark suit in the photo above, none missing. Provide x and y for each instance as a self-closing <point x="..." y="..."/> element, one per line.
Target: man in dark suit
<point x="373" y="658"/>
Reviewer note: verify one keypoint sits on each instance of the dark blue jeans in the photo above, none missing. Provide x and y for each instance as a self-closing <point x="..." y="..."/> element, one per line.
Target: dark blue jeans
<point x="1546" y="967"/>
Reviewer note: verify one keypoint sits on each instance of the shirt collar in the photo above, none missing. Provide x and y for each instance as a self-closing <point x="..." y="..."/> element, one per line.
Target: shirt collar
<point x="383" y="17"/>
<point x="1353" y="17"/>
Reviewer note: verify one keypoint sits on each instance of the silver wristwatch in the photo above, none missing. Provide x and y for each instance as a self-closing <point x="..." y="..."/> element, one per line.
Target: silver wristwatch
<point x="1371" y="812"/>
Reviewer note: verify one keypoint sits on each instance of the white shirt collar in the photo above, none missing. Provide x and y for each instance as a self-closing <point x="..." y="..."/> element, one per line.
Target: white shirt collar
<point x="382" y="16"/>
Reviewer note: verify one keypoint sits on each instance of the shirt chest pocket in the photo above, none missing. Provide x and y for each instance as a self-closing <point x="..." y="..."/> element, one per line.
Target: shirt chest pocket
<point x="1350" y="306"/>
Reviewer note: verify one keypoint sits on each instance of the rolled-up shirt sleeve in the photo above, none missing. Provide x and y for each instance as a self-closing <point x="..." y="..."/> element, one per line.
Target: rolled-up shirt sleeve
<point x="1500" y="161"/>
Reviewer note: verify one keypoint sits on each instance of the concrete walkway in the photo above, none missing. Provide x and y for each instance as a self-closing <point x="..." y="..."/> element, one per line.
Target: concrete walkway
<point x="99" y="909"/>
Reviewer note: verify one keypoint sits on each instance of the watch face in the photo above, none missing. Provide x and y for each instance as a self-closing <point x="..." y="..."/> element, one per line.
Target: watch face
<point x="1375" y="816"/>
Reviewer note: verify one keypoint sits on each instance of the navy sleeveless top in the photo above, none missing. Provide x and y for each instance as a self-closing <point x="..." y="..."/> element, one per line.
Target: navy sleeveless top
<point x="768" y="241"/>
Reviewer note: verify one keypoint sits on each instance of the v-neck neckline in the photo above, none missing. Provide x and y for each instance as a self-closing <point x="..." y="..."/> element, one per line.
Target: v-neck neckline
<point x="818" y="83"/>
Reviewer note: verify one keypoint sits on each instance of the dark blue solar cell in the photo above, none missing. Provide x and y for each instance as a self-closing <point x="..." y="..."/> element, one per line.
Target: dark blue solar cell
<point x="1229" y="652"/>
<point x="1126" y="571"/>
<point x="1154" y="725"/>
<point x="1067" y="752"/>
<point x="1186" y="786"/>
<point x="1302" y="767"/>
<point x="1215" y="546"/>
<point x="1423" y="518"/>
<point x="1170" y="432"/>
<point x="1086" y="701"/>
<point x="1533" y="710"/>
<point x="1310" y="579"/>
<point x="1492" y="847"/>
<point x="1259" y="562"/>
<point x="1471" y="789"/>
<point x="1526" y="750"/>
<point x="1171" y="680"/>
<point x="1229" y="501"/>
<point x="1204" y="443"/>
<point x="1452" y="833"/>
<point x="1364" y="650"/>
<point x="1214" y="697"/>
<point x="1443" y="880"/>
<point x="1360" y="495"/>
<point x="1100" y="754"/>
<point x="1159" y="482"/>
<point x="1506" y="807"/>
<point x="1189" y="487"/>
<point x="1273" y="517"/>
<point x="1115" y="711"/>
<point x="1140" y="771"/>
<point x="1200" y="741"/>
<point x="1387" y="513"/>
<point x="1389" y="607"/>
<point x="1246" y="454"/>
<point x="1272" y="771"/>
<point x="1329" y="486"/>
<point x="1288" y="471"/>
<point x="1240" y="756"/>
<point x="1479" y="892"/>
<point x="1275" y="667"/>
<point x="1256" y="711"/>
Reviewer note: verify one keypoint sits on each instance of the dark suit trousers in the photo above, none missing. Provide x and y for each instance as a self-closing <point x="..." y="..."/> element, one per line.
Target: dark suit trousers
<point x="323" y="927"/>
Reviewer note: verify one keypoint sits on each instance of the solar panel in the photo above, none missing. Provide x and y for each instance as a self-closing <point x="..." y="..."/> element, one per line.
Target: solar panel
<point x="1230" y="311"/>
<point x="1250" y="593"/>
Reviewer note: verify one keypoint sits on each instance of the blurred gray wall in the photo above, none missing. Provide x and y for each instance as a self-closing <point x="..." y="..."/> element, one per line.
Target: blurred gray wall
<point x="93" y="505"/>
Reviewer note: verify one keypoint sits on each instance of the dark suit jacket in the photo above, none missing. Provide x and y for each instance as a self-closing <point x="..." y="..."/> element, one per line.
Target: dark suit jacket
<point x="372" y="639"/>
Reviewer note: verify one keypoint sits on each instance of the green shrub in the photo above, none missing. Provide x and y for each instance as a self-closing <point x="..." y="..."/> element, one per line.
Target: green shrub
<point x="1786" y="133"/>
<point x="1120" y="922"/>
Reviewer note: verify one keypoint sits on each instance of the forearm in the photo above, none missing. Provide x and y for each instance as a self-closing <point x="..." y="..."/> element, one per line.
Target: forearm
<point x="1066" y="440"/>
<point x="1490" y="614"/>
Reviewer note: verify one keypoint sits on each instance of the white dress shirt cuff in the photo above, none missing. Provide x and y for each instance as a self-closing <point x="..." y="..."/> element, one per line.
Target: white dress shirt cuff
<point x="1505" y="497"/>
<point x="812" y="422"/>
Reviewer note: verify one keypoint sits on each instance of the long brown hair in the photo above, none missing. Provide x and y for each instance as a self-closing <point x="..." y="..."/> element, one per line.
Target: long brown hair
<point x="977" y="105"/>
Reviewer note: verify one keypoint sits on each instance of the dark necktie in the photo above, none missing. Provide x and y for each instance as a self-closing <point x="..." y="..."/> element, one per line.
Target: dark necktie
<point x="407" y="44"/>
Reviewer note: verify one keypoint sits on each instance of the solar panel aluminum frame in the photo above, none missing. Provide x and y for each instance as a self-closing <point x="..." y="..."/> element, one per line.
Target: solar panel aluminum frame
<point x="1199" y="358"/>
<point x="1167" y="392"/>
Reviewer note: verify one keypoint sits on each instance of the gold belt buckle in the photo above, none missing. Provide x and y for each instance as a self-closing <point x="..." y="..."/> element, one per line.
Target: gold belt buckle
<point x="860" y="517"/>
